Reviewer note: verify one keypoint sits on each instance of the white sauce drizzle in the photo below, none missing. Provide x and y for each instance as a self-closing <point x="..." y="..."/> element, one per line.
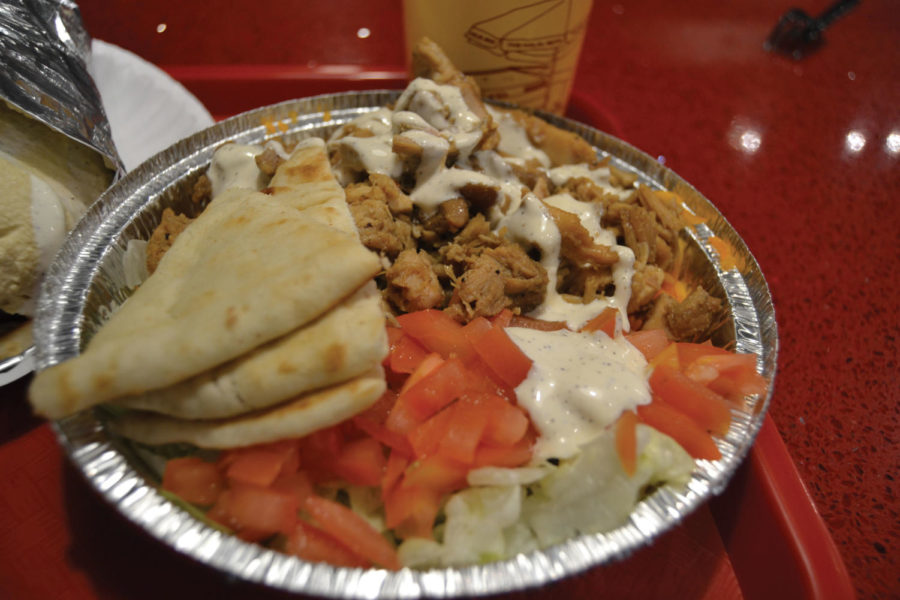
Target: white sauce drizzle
<point x="578" y="385"/>
<point x="600" y="176"/>
<point x="234" y="166"/>
<point x="514" y="140"/>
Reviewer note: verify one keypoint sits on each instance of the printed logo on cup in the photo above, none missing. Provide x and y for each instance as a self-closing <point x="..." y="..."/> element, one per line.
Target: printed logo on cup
<point x="519" y="51"/>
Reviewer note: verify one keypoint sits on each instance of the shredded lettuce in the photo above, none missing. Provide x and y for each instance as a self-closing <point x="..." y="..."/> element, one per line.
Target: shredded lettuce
<point x="588" y="493"/>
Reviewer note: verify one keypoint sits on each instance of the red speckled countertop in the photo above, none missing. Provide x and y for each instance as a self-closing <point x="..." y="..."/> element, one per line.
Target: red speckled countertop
<point x="803" y="158"/>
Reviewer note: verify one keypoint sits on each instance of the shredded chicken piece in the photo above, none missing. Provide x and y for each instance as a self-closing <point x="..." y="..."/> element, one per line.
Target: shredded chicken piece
<point x="202" y="190"/>
<point x="164" y="236"/>
<point x="694" y="317"/>
<point x="578" y="246"/>
<point x="378" y="229"/>
<point x="429" y="60"/>
<point x="645" y="283"/>
<point x="495" y="277"/>
<point x="268" y="161"/>
<point x="412" y="284"/>
<point x="561" y="147"/>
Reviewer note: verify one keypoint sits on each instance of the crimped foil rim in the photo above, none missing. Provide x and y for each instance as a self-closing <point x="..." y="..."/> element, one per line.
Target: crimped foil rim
<point x="91" y="254"/>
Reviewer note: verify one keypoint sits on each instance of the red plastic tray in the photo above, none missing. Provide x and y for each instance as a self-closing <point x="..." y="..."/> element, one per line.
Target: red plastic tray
<point x="761" y="539"/>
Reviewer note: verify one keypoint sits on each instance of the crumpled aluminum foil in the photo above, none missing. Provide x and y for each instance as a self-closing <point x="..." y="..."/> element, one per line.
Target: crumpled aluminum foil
<point x="44" y="52"/>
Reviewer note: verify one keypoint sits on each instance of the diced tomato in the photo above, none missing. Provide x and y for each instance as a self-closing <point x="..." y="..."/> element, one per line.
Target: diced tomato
<point x="411" y="511"/>
<point x="679" y="427"/>
<point x="502" y="318"/>
<point x="505" y="456"/>
<point x="436" y="390"/>
<point x="361" y="462"/>
<point x="482" y="379"/>
<point x="437" y="331"/>
<point x="388" y="437"/>
<point x="706" y="408"/>
<point x="256" y="466"/>
<point x="393" y="472"/>
<point x="476" y="328"/>
<point x="626" y="441"/>
<point x="650" y="342"/>
<point x="703" y="374"/>
<point x="218" y="512"/>
<point x="429" y="364"/>
<point x="378" y="412"/>
<point x="506" y="424"/>
<point x="503" y="356"/>
<point x="319" y="450"/>
<point x="193" y="480"/>
<point x="436" y="473"/>
<point x="296" y="484"/>
<point x="724" y="363"/>
<point x="426" y="437"/>
<point x="668" y="356"/>
<point x="606" y="322"/>
<point x="394" y="334"/>
<point x="689" y="352"/>
<point x="465" y="428"/>
<point x="739" y="383"/>
<point x="314" y="545"/>
<point x="324" y="442"/>
<point x="403" y="419"/>
<point x="353" y="531"/>
<point x="261" y="509"/>
<point x="406" y="355"/>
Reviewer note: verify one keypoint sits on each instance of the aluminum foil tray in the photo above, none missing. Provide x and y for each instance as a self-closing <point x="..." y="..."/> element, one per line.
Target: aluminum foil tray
<point x="87" y="282"/>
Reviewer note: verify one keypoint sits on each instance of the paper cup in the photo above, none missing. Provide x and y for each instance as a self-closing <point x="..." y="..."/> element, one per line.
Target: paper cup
<point x="521" y="51"/>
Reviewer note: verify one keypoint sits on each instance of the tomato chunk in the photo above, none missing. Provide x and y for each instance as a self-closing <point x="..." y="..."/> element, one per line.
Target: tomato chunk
<point x="679" y="427"/>
<point x="314" y="545"/>
<point x="406" y="355"/>
<point x="503" y="356"/>
<point x="437" y="473"/>
<point x="255" y="466"/>
<point x="706" y="408"/>
<point x="505" y="456"/>
<point x="437" y="331"/>
<point x="411" y="511"/>
<point x="689" y="352"/>
<point x="435" y="390"/>
<point x="361" y="462"/>
<point x="261" y="509"/>
<point x="465" y="427"/>
<point x="606" y="322"/>
<point x="426" y="437"/>
<point x="296" y="484"/>
<point x="393" y="472"/>
<point x="626" y="441"/>
<point x="649" y="342"/>
<point x="193" y="480"/>
<point x="353" y="531"/>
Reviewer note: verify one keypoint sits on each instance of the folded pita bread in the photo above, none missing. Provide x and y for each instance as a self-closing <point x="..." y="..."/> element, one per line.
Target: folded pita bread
<point x="344" y="343"/>
<point x="252" y="268"/>
<point x="297" y="418"/>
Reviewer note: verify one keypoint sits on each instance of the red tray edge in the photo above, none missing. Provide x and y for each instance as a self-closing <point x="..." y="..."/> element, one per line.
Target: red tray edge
<point x="825" y="572"/>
